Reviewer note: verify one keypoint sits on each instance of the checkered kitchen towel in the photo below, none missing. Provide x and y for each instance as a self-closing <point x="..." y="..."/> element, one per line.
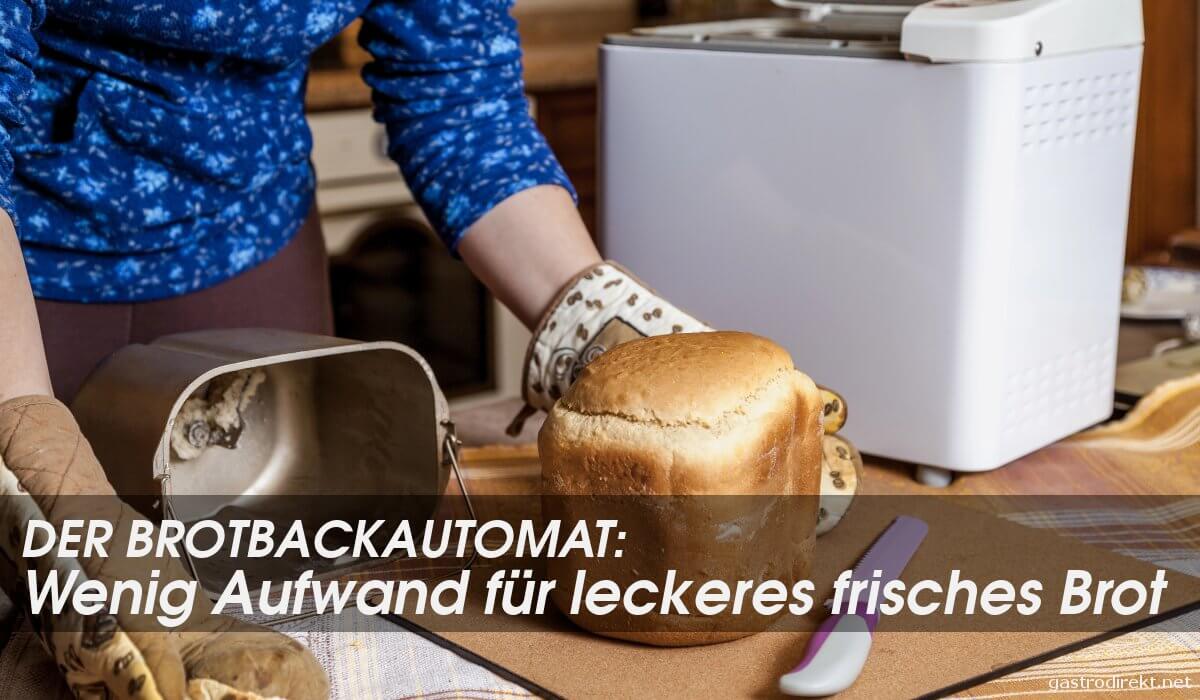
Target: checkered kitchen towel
<point x="369" y="657"/>
<point x="1164" y="660"/>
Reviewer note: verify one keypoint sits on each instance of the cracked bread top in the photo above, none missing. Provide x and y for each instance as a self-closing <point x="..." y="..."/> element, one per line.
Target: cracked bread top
<point x="692" y="379"/>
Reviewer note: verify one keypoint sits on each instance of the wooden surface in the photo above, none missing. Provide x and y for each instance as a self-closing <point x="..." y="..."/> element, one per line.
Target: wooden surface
<point x="568" y="120"/>
<point x="1164" y="179"/>
<point x="341" y="88"/>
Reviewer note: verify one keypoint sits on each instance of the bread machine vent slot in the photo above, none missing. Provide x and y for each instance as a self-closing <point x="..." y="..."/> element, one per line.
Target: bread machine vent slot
<point x="1039" y="394"/>
<point x="1072" y="112"/>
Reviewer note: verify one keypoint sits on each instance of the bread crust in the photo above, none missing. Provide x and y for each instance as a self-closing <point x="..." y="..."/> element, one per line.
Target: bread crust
<point x="695" y="379"/>
<point x="706" y="417"/>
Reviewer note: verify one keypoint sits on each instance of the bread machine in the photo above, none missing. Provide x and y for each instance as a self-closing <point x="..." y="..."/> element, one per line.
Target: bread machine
<point x="925" y="203"/>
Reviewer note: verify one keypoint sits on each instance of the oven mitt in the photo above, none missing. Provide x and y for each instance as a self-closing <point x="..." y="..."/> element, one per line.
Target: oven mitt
<point x="604" y="306"/>
<point x="600" y="308"/>
<point x="44" y="456"/>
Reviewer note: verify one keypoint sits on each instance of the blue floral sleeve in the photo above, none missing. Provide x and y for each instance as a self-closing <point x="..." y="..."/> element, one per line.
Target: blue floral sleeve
<point x="17" y="51"/>
<point x="447" y="84"/>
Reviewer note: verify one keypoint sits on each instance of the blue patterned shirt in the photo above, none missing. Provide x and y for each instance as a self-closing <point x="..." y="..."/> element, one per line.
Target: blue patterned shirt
<point x="153" y="148"/>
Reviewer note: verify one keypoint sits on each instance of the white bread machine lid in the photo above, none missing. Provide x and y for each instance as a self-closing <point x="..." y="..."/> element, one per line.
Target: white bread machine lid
<point x="957" y="31"/>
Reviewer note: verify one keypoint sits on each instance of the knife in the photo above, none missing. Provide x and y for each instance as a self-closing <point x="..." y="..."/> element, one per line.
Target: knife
<point x="838" y="649"/>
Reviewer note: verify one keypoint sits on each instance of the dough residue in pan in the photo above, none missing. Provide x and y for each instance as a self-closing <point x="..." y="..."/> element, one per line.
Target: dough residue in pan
<point x="214" y="415"/>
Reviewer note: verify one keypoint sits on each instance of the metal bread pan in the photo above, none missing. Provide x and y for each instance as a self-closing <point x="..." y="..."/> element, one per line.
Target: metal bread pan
<point x="332" y="418"/>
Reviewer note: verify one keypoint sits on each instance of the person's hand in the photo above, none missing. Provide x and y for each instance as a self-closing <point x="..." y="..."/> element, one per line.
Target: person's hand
<point x="602" y="307"/>
<point x="48" y="472"/>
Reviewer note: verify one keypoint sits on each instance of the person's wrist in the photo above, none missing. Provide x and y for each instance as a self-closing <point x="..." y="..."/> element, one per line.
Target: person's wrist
<point x="23" y="390"/>
<point x="23" y="369"/>
<point x="527" y="247"/>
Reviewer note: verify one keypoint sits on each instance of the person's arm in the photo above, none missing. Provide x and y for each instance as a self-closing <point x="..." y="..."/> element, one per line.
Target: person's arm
<point x="23" y="364"/>
<point x="527" y="247"/>
<point x="23" y="368"/>
<point x="447" y="84"/>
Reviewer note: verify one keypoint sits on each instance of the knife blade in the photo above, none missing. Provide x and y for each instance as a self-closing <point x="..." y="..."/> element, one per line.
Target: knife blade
<point x="889" y="554"/>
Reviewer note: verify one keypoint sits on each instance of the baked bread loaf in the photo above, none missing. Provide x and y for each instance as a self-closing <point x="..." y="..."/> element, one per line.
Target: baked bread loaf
<point x="707" y="449"/>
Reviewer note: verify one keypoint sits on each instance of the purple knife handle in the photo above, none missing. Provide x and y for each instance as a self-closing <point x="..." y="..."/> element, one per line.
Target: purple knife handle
<point x="817" y="641"/>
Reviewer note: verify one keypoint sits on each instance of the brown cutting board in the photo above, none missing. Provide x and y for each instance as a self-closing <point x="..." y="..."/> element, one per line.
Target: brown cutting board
<point x="549" y="652"/>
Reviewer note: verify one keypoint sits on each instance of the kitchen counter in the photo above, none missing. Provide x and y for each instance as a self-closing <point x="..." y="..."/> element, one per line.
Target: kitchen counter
<point x="550" y="66"/>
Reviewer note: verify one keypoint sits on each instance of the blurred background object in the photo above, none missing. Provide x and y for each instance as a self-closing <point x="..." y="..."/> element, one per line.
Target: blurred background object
<point x="1164" y="171"/>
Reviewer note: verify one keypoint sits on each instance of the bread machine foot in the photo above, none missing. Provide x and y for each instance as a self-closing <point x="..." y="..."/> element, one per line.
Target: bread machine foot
<point x="934" y="477"/>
